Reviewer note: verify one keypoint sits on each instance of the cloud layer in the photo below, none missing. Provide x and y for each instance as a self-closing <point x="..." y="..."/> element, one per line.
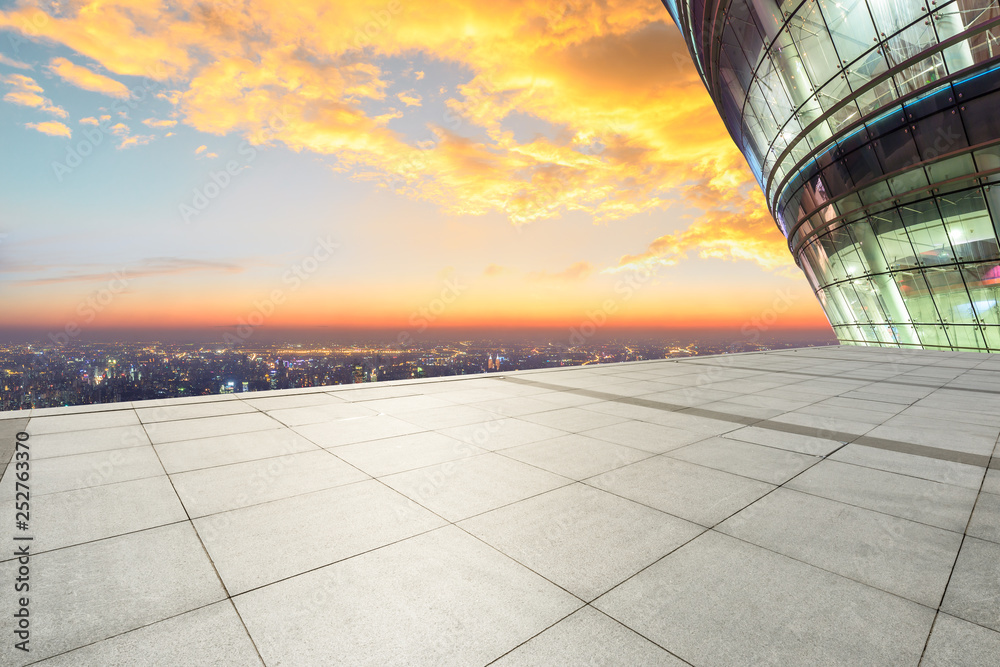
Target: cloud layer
<point x="630" y="128"/>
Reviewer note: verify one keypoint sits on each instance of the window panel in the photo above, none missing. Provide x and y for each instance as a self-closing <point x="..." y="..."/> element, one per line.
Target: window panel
<point x="916" y="296"/>
<point x="952" y="301"/>
<point x="869" y="249"/>
<point x="965" y="336"/>
<point x="927" y="234"/>
<point x="881" y="95"/>
<point x="981" y="117"/>
<point x="983" y="281"/>
<point x="992" y="335"/>
<point x="863" y="166"/>
<point x="746" y="31"/>
<point x="850" y="27"/>
<point x="969" y="226"/>
<point x="909" y="180"/>
<point x="933" y="336"/>
<point x="926" y="71"/>
<point x="891" y="16"/>
<point x="733" y="49"/>
<point x="960" y="165"/>
<point x="809" y="32"/>
<point x="909" y="43"/>
<point x="939" y="134"/>
<point x="768" y="16"/>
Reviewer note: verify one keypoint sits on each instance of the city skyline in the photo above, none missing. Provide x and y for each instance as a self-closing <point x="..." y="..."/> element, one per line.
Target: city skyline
<point x="382" y="165"/>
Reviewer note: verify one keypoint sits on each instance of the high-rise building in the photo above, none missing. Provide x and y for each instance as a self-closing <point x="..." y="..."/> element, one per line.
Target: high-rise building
<point x="873" y="128"/>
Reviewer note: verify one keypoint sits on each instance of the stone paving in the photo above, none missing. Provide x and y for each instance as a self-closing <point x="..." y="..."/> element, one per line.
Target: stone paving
<point x="816" y="506"/>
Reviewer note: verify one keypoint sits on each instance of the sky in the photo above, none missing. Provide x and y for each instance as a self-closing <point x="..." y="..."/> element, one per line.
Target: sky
<point x="408" y="164"/>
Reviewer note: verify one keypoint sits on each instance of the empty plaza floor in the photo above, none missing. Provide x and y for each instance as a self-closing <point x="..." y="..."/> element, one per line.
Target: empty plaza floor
<point x="816" y="506"/>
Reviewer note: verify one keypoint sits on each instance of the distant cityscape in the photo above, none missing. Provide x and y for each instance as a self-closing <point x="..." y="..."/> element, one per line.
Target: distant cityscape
<point x="37" y="375"/>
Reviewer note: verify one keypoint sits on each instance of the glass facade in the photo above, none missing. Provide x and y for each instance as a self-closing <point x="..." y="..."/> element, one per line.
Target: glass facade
<point x="873" y="127"/>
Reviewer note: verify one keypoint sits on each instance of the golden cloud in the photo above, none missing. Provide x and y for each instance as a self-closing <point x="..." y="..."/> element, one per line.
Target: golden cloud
<point x="52" y="128"/>
<point x="410" y="98"/>
<point x="574" y="273"/>
<point x="81" y="77"/>
<point x="26" y="92"/>
<point x="156" y="122"/>
<point x="631" y="129"/>
<point x="735" y="225"/>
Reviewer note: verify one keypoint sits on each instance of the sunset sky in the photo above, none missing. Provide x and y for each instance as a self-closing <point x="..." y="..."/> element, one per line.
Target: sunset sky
<point x="492" y="164"/>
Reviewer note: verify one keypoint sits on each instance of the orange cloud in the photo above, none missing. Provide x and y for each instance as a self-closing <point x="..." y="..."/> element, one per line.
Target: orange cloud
<point x="156" y="122"/>
<point x="735" y="225"/>
<point x="576" y="272"/>
<point x="629" y="114"/>
<point x="52" y="128"/>
<point x="410" y="98"/>
<point x="26" y="92"/>
<point x="81" y="77"/>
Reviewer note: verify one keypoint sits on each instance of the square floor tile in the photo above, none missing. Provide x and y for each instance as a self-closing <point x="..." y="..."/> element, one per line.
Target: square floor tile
<point x="768" y="464"/>
<point x="459" y="489"/>
<point x="653" y="438"/>
<point x="270" y="402"/>
<point x="985" y="523"/>
<point x="914" y="465"/>
<point x="992" y="482"/>
<point x="443" y="598"/>
<point x="974" y="590"/>
<point x="406" y="452"/>
<point x="588" y="637"/>
<point x="360" y="429"/>
<point x="502" y="433"/>
<point x="455" y="415"/>
<point x="689" y="491"/>
<point x="936" y="504"/>
<point x="183" y="455"/>
<point x="83" y="442"/>
<point x="804" y="444"/>
<point x="102" y="589"/>
<point x="81" y="422"/>
<point x="721" y="601"/>
<point x="903" y="557"/>
<point x="576" y="456"/>
<point x="585" y="540"/>
<point x="573" y="420"/>
<point x="213" y="635"/>
<point x="79" y="471"/>
<point x="393" y="406"/>
<point x="229" y="487"/>
<point x="207" y="427"/>
<point x="98" y="512"/>
<point x="313" y="414"/>
<point x="262" y="544"/>
<point x="192" y="411"/>
<point x="957" y="642"/>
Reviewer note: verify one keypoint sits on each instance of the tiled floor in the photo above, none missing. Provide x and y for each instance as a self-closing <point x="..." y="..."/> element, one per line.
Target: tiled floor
<point x="821" y="506"/>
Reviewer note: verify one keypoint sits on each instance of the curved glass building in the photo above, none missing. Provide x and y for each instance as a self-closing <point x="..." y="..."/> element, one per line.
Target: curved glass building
<point x="873" y="127"/>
